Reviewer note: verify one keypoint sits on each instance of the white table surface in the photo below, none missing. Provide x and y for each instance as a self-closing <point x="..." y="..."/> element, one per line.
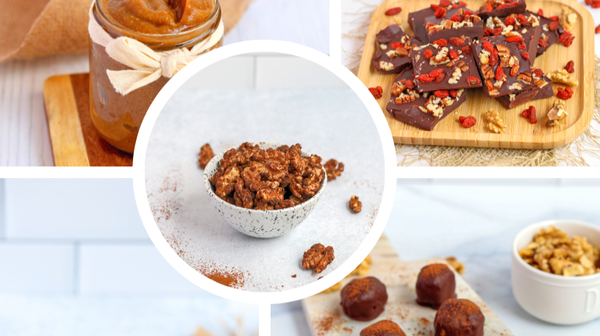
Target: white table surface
<point x="351" y="19"/>
<point x="24" y="139"/>
<point x="476" y="221"/>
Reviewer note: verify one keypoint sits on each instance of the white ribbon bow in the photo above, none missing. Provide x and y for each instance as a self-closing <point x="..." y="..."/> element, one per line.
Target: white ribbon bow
<point x="147" y="65"/>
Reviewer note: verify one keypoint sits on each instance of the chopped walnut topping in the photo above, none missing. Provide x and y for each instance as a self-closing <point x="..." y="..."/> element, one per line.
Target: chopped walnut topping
<point x="392" y="54"/>
<point x="524" y="77"/>
<point x="495" y="123"/>
<point x="563" y="77"/>
<point x="387" y="66"/>
<point x="457" y="265"/>
<point x="512" y="97"/>
<point x="515" y="87"/>
<point x="539" y="82"/>
<point x="553" y="251"/>
<point x="484" y="57"/>
<point x="355" y="204"/>
<point x="456" y="74"/>
<point x="383" y="46"/>
<point x="206" y="153"/>
<point x="488" y="72"/>
<point x="567" y="18"/>
<point x="317" y="257"/>
<point x="333" y="169"/>
<point x="440" y="58"/>
<point x="557" y="113"/>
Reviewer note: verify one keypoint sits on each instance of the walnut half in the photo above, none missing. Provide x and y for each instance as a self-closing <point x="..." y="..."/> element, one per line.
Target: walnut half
<point x="206" y="153"/>
<point x="355" y="204"/>
<point x="317" y="257"/>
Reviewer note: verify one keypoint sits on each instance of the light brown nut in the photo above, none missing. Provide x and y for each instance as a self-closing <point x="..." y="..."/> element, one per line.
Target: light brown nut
<point x="206" y="153"/>
<point x="317" y="257"/>
<point x="355" y="204"/>
<point x="494" y="122"/>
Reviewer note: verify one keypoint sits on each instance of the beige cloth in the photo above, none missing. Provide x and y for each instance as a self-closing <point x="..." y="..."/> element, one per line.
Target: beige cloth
<point x="37" y="28"/>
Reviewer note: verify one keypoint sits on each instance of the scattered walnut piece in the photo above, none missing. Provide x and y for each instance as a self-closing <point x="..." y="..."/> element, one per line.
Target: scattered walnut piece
<point x="557" y="113"/>
<point x="317" y="257"/>
<point x="206" y="153"/>
<point x="553" y="251"/>
<point x="567" y="18"/>
<point x="333" y="288"/>
<point x="363" y="268"/>
<point x="355" y="204"/>
<point x="495" y="123"/>
<point x="334" y="168"/>
<point x="563" y="77"/>
<point x="457" y="265"/>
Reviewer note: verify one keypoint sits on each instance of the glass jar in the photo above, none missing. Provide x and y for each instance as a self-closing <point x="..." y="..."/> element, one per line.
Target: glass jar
<point x="118" y="117"/>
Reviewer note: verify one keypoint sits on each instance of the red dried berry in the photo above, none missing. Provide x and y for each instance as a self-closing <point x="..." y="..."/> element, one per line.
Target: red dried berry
<point x="393" y="11"/>
<point x="509" y="21"/>
<point x="538" y="73"/>
<point x="467" y="122"/>
<point x="597" y="29"/>
<point x="532" y="115"/>
<point x="425" y="78"/>
<point x="456" y="18"/>
<point x="468" y="13"/>
<point x="569" y="41"/>
<point x="588" y="2"/>
<point x="427" y="54"/>
<point x="441" y="93"/>
<point x="525" y="113"/>
<point x="542" y="43"/>
<point x="453" y="93"/>
<point x="409" y="84"/>
<point x="525" y="55"/>
<point x="497" y="32"/>
<point x="554" y="18"/>
<point x="435" y="7"/>
<point x="514" y="70"/>
<point x="564" y="94"/>
<point x="487" y="45"/>
<point x="564" y="37"/>
<point x="457" y="41"/>
<point x="521" y="46"/>
<point x="462" y="118"/>
<point x="553" y="25"/>
<point x="596" y="4"/>
<point x="453" y="54"/>
<point x="462" y="4"/>
<point x="540" y="12"/>
<point x="515" y="38"/>
<point x="570" y="67"/>
<point x="473" y="81"/>
<point x="444" y="3"/>
<point x="488" y="31"/>
<point x="440" y="12"/>
<point x="395" y="45"/>
<point x="440" y="77"/>
<point x="376" y="91"/>
<point x="500" y="75"/>
<point x="494" y="58"/>
<point x="441" y="42"/>
<point x="522" y="20"/>
<point x="436" y="73"/>
<point x="466" y="50"/>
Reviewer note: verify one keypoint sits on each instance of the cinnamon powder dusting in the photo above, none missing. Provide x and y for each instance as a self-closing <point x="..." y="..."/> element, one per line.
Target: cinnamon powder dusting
<point x="325" y="324"/>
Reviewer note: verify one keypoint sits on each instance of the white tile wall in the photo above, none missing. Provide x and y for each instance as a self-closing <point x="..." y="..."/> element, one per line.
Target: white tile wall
<point x="36" y="267"/>
<point x="109" y="268"/>
<point x="72" y="209"/>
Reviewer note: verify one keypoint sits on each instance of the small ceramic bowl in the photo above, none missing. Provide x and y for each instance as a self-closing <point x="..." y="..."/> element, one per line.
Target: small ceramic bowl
<point x="260" y="223"/>
<point x="555" y="298"/>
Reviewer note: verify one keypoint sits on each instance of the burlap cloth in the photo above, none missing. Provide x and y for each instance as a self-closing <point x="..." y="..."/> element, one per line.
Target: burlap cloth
<point x="37" y="28"/>
<point x="573" y="154"/>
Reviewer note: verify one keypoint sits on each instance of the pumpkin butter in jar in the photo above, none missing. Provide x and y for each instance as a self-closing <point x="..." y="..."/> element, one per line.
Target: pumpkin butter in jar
<point x="167" y="27"/>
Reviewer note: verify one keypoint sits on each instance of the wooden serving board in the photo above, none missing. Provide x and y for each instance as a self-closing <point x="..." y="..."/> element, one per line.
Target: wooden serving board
<point x="520" y="133"/>
<point x="326" y="318"/>
<point x="75" y="141"/>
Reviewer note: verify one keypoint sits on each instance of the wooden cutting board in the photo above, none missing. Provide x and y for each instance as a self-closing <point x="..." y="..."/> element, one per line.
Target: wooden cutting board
<point x="326" y="318"/>
<point x="520" y="133"/>
<point x="75" y="141"/>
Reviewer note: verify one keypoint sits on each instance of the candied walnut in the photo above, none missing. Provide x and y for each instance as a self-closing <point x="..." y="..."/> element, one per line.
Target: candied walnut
<point x="271" y="196"/>
<point x="355" y="204"/>
<point x="333" y="169"/>
<point x="563" y="77"/>
<point x="242" y="196"/>
<point x="225" y="183"/>
<point x="556" y="114"/>
<point x="317" y="257"/>
<point x="457" y="265"/>
<point x="333" y="288"/>
<point x="495" y="123"/>
<point x="567" y="18"/>
<point x="206" y="153"/>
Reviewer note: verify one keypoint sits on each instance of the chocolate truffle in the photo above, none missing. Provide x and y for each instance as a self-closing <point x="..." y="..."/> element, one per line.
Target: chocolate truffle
<point x="364" y="299"/>
<point x="435" y="285"/>
<point x="459" y="317"/>
<point x="383" y="328"/>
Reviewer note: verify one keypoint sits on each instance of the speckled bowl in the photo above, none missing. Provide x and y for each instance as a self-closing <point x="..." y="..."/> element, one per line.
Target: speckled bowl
<point x="260" y="223"/>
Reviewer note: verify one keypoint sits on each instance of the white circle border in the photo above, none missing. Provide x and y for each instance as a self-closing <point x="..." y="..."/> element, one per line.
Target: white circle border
<point x="252" y="47"/>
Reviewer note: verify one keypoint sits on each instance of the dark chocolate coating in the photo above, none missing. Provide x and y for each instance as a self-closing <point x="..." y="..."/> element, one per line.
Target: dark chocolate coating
<point x="417" y="19"/>
<point x="459" y="317"/>
<point x="552" y="34"/>
<point x="531" y="37"/>
<point x="518" y="9"/>
<point x="435" y="284"/>
<point x="472" y="32"/>
<point x="421" y="65"/>
<point x="383" y="328"/>
<point x="410" y="113"/>
<point x="364" y="299"/>
<point x="387" y="36"/>
<point x="526" y="96"/>
<point x="477" y="47"/>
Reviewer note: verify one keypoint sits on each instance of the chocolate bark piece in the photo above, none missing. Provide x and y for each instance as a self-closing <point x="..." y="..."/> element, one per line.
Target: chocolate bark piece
<point x="435" y="284"/>
<point x="409" y="106"/>
<point x="459" y="317"/>
<point x="514" y="67"/>
<point x="383" y="328"/>
<point x="388" y="59"/>
<point x="502" y="8"/>
<point x="461" y="23"/>
<point x="454" y="74"/>
<point x="530" y="31"/>
<point x="541" y="90"/>
<point x="550" y="36"/>
<point x="416" y="20"/>
<point x="364" y="299"/>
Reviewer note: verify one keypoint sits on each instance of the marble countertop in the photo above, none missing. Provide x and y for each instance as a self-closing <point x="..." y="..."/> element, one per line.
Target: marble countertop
<point x="476" y="221"/>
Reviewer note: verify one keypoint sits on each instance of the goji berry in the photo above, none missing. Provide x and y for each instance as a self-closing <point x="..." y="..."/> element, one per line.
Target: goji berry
<point x="425" y="78"/>
<point x="570" y="67"/>
<point x="456" y="18"/>
<point x="489" y="7"/>
<point x="453" y="54"/>
<point x="440" y="12"/>
<point x="553" y="25"/>
<point x="554" y="18"/>
<point x="494" y="58"/>
<point x="569" y="41"/>
<point x="457" y="41"/>
<point x="441" y="93"/>
<point x="514" y="38"/>
<point x="596" y="4"/>
<point x="525" y="55"/>
<point x="428" y="53"/>
<point x="509" y="21"/>
<point x="440" y="77"/>
<point x="487" y="45"/>
<point x="500" y="75"/>
<point x="588" y="2"/>
<point x="393" y="11"/>
<point x="435" y="73"/>
<point x="542" y="43"/>
<point x="521" y="46"/>
<point x="597" y="29"/>
<point x="395" y="45"/>
<point x="540" y="12"/>
<point x="525" y="113"/>
<point x="514" y="70"/>
<point x="564" y="94"/>
<point x="538" y="73"/>
<point x="435" y="7"/>
<point x="532" y="115"/>
<point x="441" y="42"/>
<point x="444" y="3"/>
<point x="453" y="93"/>
<point x="466" y="50"/>
<point x="473" y="81"/>
<point x="376" y="91"/>
<point x="564" y="37"/>
<point x="488" y="31"/>
<point x="467" y="122"/>
<point x="468" y="13"/>
<point x="461" y="118"/>
<point x="409" y="84"/>
<point x="522" y="20"/>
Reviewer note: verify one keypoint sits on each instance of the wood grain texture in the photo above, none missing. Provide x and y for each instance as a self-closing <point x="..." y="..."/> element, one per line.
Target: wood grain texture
<point x="520" y="133"/>
<point x="73" y="94"/>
